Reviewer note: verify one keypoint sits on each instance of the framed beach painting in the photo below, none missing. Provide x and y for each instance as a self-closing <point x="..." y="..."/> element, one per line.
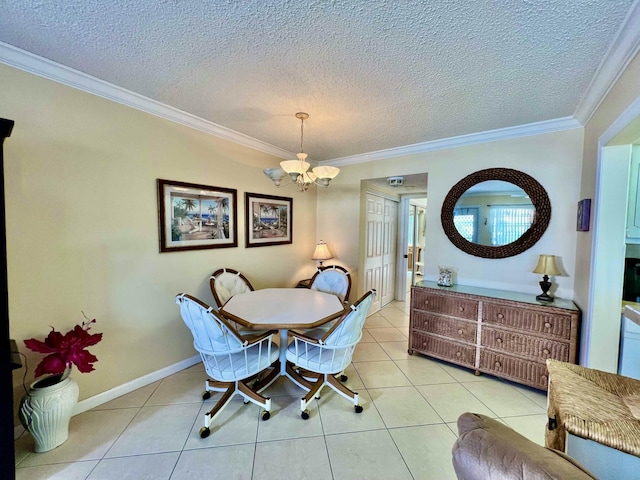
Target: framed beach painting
<point x="195" y="217"/>
<point x="269" y="220"/>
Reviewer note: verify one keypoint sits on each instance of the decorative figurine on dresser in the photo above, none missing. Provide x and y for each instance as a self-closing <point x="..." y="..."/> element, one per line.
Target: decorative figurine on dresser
<point x="506" y="334"/>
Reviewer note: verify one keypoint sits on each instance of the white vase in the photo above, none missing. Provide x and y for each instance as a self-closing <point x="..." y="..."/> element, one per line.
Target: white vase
<point x="46" y="410"/>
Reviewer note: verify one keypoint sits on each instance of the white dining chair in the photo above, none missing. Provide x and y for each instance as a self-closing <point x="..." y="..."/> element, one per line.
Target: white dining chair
<point x="230" y="359"/>
<point x="227" y="282"/>
<point x="332" y="279"/>
<point x="224" y="284"/>
<point x="327" y="356"/>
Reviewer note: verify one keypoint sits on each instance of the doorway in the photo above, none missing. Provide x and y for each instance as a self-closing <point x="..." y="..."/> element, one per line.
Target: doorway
<point x="384" y="207"/>
<point x="415" y="244"/>
<point x="379" y="273"/>
<point x="601" y="324"/>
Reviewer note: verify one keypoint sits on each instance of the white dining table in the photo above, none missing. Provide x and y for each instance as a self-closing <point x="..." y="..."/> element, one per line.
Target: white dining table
<point x="283" y="309"/>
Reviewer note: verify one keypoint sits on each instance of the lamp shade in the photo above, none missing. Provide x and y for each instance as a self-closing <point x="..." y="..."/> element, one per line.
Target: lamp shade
<point x="321" y="252"/>
<point x="326" y="171"/>
<point x="294" y="166"/>
<point x="275" y="174"/>
<point x="547" y="265"/>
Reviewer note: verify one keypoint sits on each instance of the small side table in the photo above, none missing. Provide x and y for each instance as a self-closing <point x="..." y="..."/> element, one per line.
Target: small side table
<point x="306" y="283"/>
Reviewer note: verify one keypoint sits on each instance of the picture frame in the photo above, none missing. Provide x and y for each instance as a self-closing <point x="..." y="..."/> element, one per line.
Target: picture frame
<point x="195" y="217"/>
<point x="584" y="215"/>
<point x="269" y="220"/>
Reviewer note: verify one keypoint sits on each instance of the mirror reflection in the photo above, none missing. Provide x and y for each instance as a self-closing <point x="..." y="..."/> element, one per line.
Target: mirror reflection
<point x="493" y="213"/>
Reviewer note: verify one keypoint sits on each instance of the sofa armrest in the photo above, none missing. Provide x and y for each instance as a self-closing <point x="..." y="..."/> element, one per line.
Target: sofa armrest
<point x="487" y="449"/>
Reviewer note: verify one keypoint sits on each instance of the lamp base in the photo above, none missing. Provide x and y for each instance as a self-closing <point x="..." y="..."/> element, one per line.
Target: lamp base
<point x="545" y="285"/>
<point x="544" y="297"/>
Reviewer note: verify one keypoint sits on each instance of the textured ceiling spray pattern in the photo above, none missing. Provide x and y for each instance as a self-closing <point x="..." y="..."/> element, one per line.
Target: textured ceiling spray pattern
<point x="373" y="74"/>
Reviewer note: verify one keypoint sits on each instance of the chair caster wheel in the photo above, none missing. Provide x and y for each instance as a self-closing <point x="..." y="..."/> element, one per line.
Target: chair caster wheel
<point x="206" y="395"/>
<point x="266" y="415"/>
<point x="305" y="415"/>
<point x="343" y="378"/>
<point x="358" y="408"/>
<point x="204" y="432"/>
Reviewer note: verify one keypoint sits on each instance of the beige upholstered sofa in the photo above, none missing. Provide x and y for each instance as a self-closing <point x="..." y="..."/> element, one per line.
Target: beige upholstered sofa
<point x="487" y="449"/>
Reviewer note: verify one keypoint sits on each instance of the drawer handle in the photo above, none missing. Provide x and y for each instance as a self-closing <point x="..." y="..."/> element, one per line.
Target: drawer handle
<point x="498" y="364"/>
<point x="458" y="354"/>
<point x="424" y="344"/>
<point x="461" y="309"/>
<point x="460" y="332"/>
<point x="426" y="302"/>
<point x="547" y="325"/>
<point x="500" y="316"/>
<point x="545" y="351"/>
<point x="498" y="340"/>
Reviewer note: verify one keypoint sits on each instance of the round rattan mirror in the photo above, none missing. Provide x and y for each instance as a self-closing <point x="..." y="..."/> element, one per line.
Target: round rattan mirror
<point x="531" y="187"/>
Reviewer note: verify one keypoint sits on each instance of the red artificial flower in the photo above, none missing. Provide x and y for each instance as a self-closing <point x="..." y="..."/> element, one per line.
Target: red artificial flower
<point x="65" y="350"/>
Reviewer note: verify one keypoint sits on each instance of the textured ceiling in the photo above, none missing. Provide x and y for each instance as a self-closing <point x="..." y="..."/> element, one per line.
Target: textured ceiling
<point x="372" y="74"/>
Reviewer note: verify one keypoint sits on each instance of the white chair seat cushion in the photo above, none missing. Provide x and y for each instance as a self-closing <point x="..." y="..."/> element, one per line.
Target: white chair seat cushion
<point x="229" y="284"/>
<point x="318" y="332"/>
<point x="317" y="359"/>
<point x="233" y="366"/>
<point x="332" y="281"/>
<point x="221" y="342"/>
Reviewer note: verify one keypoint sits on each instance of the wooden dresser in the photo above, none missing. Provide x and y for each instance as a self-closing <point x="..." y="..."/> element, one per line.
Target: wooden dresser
<point x="506" y="334"/>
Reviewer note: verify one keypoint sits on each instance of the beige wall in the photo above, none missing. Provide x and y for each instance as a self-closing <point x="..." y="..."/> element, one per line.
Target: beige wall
<point x="604" y="329"/>
<point x="553" y="159"/>
<point x="82" y="226"/>
<point x="623" y="93"/>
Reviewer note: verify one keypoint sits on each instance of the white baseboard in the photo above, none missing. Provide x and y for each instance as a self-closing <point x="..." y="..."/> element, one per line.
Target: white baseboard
<point x="104" y="397"/>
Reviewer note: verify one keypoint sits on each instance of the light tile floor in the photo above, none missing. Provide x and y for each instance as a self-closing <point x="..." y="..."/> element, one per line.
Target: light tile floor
<point x="407" y="428"/>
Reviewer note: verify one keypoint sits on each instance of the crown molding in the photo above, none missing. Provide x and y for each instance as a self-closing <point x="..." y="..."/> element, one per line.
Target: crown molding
<point x="623" y="49"/>
<point x="42" y="67"/>
<point x="547" y="126"/>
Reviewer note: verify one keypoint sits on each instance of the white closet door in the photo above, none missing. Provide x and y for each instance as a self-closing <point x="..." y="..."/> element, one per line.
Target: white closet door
<point x="380" y="249"/>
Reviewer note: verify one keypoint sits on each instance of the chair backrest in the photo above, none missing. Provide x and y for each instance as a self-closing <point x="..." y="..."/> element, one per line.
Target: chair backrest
<point x="227" y="282"/>
<point x="212" y="334"/>
<point x="226" y="355"/>
<point x="332" y="279"/>
<point x="348" y="329"/>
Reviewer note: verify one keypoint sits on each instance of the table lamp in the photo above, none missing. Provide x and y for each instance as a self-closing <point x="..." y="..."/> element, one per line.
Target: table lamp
<point x="546" y="266"/>
<point x="321" y="253"/>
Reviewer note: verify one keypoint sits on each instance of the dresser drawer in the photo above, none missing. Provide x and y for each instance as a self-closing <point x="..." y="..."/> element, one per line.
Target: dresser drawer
<point x="524" y="345"/>
<point x="446" y="350"/>
<point x="528" y="372"/>
<point x="455" y="329"/>
<point x="453" y="306"/>
<point x="555" y="325"/>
